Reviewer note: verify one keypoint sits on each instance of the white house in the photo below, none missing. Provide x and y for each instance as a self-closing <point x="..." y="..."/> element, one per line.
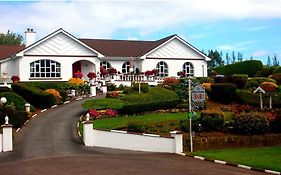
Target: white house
<point x="59" y="55"/>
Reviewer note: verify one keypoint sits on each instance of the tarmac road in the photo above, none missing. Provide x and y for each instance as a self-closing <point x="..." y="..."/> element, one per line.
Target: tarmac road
<point x="49" y="144"/>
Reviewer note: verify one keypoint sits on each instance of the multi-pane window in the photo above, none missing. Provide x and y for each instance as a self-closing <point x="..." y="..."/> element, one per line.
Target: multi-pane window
<point x="105" y="64"/>
<point x="162" y="69"/>
<point x="126" y="67"/>
<point x="45" y="69"/>
<point x="188" y="69"/>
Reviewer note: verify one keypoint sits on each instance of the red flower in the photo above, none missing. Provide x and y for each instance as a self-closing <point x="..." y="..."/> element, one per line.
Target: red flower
<point x="103" y="71"/>
<point x="110" y="113"/>
<point x="112" y="71"/>
<point x="95" y="114"/>
<point x="78" y="75"/>
<point x="15" y="78"/>
<point x="91" y="75"/>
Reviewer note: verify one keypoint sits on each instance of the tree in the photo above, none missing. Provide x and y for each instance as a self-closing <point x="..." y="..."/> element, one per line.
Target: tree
<point x="239" y="56"/>
<point x="227" y="58"/>
<point x="275" y="61"/>
<point x="233" y="57"/>
<point x="268" y="61"/>
<point x="10" y="38"/>
<point x="216" y="59"/>
<point x="251" y="58"/>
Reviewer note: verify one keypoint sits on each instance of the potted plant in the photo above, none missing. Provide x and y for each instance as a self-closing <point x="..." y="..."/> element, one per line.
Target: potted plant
<point x="15" y="78"/>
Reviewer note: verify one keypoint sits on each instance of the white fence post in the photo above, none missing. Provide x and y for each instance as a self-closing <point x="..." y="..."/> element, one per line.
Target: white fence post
<point x="88" y="137"/>
<point x="7" y="137"/>
<point x="104" y="89"/>
<point x="178" y="141"/>
<point x="1" y="142"/>
<point x="27" y="107"/>
<point x="93" y="90"/>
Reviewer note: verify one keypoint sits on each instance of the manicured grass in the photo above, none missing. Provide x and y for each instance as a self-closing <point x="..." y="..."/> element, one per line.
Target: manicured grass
<point x="265" y="157"/>
<point x="103" y="103"/>
<point x="121" y="122"/>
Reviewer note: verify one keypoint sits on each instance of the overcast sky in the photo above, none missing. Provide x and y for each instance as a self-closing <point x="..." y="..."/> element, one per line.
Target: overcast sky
<point x="252" y="27"/>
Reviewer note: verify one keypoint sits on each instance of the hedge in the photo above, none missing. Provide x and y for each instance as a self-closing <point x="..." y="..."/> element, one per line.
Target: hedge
<point x="277" y="78"/>
<point x="16" y="118"/>
<point x="223" y="92"/>
<point x="264" y="72"/>
<point x="34" y="95"/>
<point x="18" y="101"/>
<point x="277" y="70"/>
<point x="256" y="81"/>
<point x="249" y="67"/>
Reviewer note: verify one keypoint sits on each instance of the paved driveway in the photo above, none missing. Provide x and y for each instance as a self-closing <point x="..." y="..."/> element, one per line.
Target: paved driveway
<point x="49" y="144"/>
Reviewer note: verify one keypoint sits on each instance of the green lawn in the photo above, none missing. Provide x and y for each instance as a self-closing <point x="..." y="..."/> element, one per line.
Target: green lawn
<point x="265" y="157"/>
<point x="121" y="122"/>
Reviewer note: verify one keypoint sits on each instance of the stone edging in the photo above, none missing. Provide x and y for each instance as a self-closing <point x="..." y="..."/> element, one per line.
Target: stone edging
<point x="234" y="165"/>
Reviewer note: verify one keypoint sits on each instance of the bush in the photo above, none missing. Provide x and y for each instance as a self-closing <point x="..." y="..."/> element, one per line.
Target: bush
<point x="239" y="81"/>
<point x="111" y="87"/>
<point x="275" y="121"/>
<point x="251" y="123"/>
<point x="256" y="82"/>
<point x="16" y="118"/>
<point x="277" y="78"/>
<point x="103" y="103"/>
<point x="277" y="70"/>
<point x="220" y="79"/>
<point x="264" y="72"/>
<point x="144" y="87"/>
<point x="34" y="95"/>
<point x="212" y="120"/>
<point x="205" y="80"/>
<point x="195" y="122"/>
<point x="5" y="89"/>
<point x="18" y="101"/>
<point x="249" y="67"/>
<point x="56" y="94"/>
<point x="223" y="92"/>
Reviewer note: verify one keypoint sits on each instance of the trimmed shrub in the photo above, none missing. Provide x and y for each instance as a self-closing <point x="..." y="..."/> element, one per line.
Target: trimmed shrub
<point x="18" y="101"/>
<point x="144" y="87"/>
<point x="277" y="70"/>
<point x="277" y="78"/>
<point x="220" y="79"/>
<point x="205" y="80"/>
<point x="195" y="122"/>
<point x="239" y="81"/>
<point x="275" y="121"/>
<point x="103" y="103"/>
<point x="16" y="118"/>
<point x="223" y="92"/>
<point x="249" y="67"/>
<point x="256" y="81"/>
<point x="212" y="120"/>
<point x="34" y="95"/>
<point x="111" y="87"/>
<point x="264" y="72"/>
<point x="5" y="89"/>
<point x="251" y="123"/>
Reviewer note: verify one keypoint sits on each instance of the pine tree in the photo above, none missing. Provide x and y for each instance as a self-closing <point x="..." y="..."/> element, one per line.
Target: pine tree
<point x="10" y="38"/>
<point x="275" y="61"/>
<point x="268" y="61"/>
<point x="227" y="58"/>
<point x="233" y="57"/>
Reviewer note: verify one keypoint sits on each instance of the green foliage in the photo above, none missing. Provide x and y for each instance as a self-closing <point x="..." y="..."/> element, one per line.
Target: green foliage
<point x="144" y="87"/>
<point x="251" y="123"/>
<point x="249" y="67"/>
<point x="239" y="81"/>
<point x="212" y="120"/>
<point x="256" y="82"/>
<point x="275" y="122"/>
<point x="223" y="92"/>
<point x="34" y="95"/>
<point x="103" y="103"/>
<point x="18" y="101"/>
<point x="16" y="118"/>
<point x="277" y="70"/>
<point x="216" y="59"/>
<point x="205" y="80"/>
<point x="277" y="78"/>
<point x="10" y="38"/>
<point x="5" y="89"/>
<point x="196" y="125"/>
<point x="264" y="72"/>
<point x="111" y="87"/>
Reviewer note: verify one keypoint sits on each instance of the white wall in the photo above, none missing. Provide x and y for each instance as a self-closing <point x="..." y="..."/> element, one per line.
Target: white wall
<point x="174" y="66"/>
<point x="10" y="68"/>
<point x="66" y="65"/>
<point x="135" y="142"/>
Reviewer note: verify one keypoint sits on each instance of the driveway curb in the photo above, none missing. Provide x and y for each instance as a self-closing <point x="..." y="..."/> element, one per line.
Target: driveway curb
<point x="234" y="165"/>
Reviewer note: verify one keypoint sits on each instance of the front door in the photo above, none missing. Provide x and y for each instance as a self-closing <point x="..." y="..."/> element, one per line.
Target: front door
<point x="76" y="67"/>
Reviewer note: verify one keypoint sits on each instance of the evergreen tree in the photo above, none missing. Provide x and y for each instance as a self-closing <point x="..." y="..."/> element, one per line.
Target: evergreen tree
<point x="239" y="56"/>
<point x="216" y="59"/>
<point x="251" y="58"/>
<point x="275" y="61"/>
<point x="10" y="38"/>
<point x="227" y="58"/>
<point x="268" y="61"/>
<point x="233" y="57"/>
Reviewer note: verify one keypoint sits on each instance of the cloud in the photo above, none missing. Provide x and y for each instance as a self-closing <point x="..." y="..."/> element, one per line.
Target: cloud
<point x="101" y="19"/>
<point x="236" y="46"/>
<point x="260" y="53"/>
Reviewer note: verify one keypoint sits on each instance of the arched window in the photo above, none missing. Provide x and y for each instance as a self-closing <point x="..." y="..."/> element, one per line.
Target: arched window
<point x="126" y="67"/>
<point x="105" y="64"/>
<point x="188" y="69"/>
<point x="162" y="69"/>
<point x="45" y="69"/>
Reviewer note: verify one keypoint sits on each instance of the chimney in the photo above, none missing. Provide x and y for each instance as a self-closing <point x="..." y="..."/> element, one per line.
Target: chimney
<point x="29" y="37"/>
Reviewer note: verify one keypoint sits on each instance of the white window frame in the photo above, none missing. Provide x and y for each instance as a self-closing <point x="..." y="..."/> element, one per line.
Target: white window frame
<point x="45" y="68"/>
<point x="105" y="64"/>
<point x="188" y="69"/>
<point x="126" y="67"/>
<point x="162" y="68"/>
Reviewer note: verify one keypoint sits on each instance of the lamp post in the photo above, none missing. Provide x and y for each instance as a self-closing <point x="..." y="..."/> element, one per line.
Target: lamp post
<point x="190" y="114"/>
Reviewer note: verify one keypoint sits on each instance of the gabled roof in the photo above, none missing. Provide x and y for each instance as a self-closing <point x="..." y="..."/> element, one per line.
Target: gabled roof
<point x="124" y="48"/>
<point x="7" y="51"/>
